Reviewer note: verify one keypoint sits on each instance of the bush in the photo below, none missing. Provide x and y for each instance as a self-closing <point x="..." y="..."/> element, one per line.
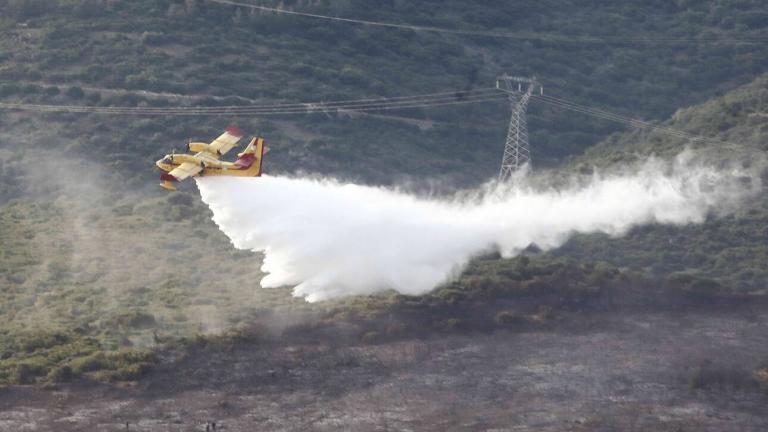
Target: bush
<point x="136" y="319"/>
<point x="124" y="365"/>
<point x="34" y="342"/>
<point x="455" y="324"/>
<point x="761" y="377"/>
<point x="31" y="89"/>
<point x="60" y="374"/>
<point x="131" y="372"/>
<point x="370" y="337"/>
<point x="90" y="363"/>
<point x="9" y="89"/>
<point x="509" y="318"/>
<point x="704" y="288"/>
<point x="153" y="38"/>
<point x="93" y="98"/>
<point x="695" y="287"/>
<point x="397" y="329"/>
<point x="25" y="373"/>
<point x="23" y="9"/>
<point x="708" y="376"/>
<point x="75" y="92"/>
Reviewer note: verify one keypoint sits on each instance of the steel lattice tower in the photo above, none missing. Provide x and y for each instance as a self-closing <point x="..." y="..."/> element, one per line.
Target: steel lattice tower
<point x="517" y="151"/>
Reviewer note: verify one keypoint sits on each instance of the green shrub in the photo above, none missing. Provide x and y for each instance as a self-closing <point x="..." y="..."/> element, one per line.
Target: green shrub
<point x="26" y="373"/>
<point x="60" y="374"/>
<point x="135" y="319"/>
<point x="709" y="376"/>
<point x="36" y="341"/>
<point x="398" y="329"/>
<point x="24" y="9"/>
<point x="454" y="324"/>
<point x="370" y="337"/>
<point x="131" y="372"/>
<point x="509" y="318"/>
<point x="761" y="377"/>
<point x="90" y="363"/>
<point x="9" y="89"/>
<point x="153" y="38"/>
<point x="75" y="92"/>
<point x="123" y="365"/>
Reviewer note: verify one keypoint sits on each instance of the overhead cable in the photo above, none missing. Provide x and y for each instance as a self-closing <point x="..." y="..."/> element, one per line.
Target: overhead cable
<point x="637" y="123"/>
<point x="440" y="99"/>
<point x="455" y="98"/>
<point x="544" y="37"/>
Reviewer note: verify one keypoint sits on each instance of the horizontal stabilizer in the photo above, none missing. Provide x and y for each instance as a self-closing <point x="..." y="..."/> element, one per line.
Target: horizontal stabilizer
<point x="167" y="186"/>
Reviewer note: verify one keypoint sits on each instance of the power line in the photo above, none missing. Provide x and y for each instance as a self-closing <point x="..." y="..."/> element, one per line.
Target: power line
<point x="605" y="115"/>
<point x="404" y="102"/>
<point x="54" y="109"/>
<point x="545" y="37"/>
<point x="637" y="123"/>
<point x="304" y="106"/>
<point x="430" y="100"/>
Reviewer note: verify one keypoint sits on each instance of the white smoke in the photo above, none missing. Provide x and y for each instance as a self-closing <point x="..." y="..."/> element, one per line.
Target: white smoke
<point x="330" y="240"/>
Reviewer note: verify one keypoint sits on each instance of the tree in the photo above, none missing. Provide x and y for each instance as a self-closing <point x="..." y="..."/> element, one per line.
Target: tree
<point x="75" y="92"/>
<point x="24" y="9"/>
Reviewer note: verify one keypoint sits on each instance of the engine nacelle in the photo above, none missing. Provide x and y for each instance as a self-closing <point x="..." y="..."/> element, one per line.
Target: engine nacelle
<point x="201" y="147"/>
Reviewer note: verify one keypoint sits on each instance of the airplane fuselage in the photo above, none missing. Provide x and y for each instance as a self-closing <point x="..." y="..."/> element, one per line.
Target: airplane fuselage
<point x="223" y="168"/>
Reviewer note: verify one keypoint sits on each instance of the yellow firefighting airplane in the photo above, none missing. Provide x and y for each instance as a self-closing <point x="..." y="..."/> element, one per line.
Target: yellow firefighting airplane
<point x="206" y="162"/>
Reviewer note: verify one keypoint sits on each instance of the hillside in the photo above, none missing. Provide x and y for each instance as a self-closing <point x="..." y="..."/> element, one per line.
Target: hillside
<point x="127" y="271"/>
<point x="124" y="295"/>
<point x="92" y="224"/>
<point x="149" y="52"/>
<point x="730" y="250"/>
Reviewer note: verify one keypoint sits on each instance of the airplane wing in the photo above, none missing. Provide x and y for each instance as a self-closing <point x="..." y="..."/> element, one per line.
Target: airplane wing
<point x="187" y="169"/>
<point x="227" y="140"/>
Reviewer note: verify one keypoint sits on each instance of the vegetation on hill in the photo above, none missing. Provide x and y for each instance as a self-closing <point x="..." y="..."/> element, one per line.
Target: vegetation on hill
<point x="116" y="52"/>
<point x="98" y="267"/>
<point x="518" y="294"/>
<point x="728" y="252"/>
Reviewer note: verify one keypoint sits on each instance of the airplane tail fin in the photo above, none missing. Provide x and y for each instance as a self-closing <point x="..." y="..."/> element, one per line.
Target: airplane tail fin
<point x="259" y="151"/>
<point x="250" y="159"/>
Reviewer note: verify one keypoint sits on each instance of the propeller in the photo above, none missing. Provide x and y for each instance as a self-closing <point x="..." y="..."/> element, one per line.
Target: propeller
<point x="189" y="141"/>
<point x="173" y="153"/>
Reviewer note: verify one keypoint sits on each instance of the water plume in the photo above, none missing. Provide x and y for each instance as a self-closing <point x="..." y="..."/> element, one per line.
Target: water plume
<point x="329" y="239"/>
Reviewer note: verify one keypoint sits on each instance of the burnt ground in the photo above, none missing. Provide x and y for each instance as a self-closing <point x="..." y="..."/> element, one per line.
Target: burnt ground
<point x="622" y="371"/>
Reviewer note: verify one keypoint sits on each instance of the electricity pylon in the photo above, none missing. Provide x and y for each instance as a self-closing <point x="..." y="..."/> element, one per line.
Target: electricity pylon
<point x="517" y="152"/>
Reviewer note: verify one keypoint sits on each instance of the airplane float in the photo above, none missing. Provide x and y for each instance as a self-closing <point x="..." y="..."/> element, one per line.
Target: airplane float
<point x="206" y="159"/>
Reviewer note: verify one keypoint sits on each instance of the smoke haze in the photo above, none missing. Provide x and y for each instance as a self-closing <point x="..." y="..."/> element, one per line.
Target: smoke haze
<point x="330" y="239"/>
